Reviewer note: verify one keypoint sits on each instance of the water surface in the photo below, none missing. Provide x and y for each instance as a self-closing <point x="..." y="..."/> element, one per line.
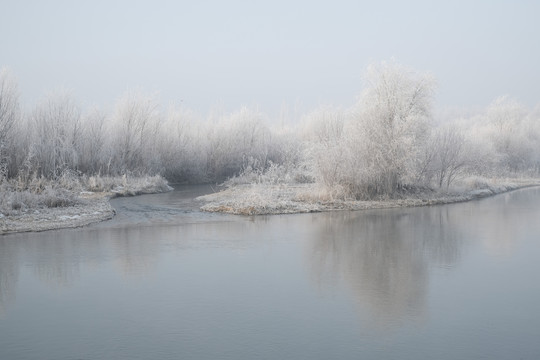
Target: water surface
<point x="165" y="281"/>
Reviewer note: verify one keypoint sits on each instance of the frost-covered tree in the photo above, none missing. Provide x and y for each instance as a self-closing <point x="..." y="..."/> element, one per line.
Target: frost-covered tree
<point x="383" y="145"/>
<point x="236" y="141"/>
<point x="93" y="159"/>
<point x="183" y="146"/>
<point x="287" y="150"/>
<point x="392" y="121"/>
<point x="449" y="149"/>
<point x="56" y="135"/>
<point x="9" y="115"/>
<point x="134" y="127"/>
<point x="532" y="129"/>
<point x="507" y="130"/>
<point x="323" y="130"/>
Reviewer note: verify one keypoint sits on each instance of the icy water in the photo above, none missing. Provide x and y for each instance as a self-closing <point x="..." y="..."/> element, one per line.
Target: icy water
<point x="164" y="281"/>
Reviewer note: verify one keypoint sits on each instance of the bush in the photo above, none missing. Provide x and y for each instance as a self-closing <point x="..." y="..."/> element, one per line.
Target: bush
<point x="13" y="201"/>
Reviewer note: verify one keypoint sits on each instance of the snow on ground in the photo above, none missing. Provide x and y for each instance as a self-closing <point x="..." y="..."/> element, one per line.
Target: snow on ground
<point x="255" y="199"/>
<point x="264" y="199"/>
<point x="93" y="209"/>
<point x="91" y="206"/>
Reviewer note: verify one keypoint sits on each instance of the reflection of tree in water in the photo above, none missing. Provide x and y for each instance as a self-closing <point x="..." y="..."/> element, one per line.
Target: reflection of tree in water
<point x="136" y="249"/>
<point x="501" y="225"/>
<point x="55" y="259"/>
<point x="385" y="256"/>
<point x="9" y="272"/>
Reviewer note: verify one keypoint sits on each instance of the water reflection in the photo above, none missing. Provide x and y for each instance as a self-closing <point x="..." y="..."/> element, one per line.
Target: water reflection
<point x="57" y="258"/>
<point x="9" y="273"/>
<point x="135" y="250"/>
<point x="503" y="220"/>
<point x="385" y="257"/>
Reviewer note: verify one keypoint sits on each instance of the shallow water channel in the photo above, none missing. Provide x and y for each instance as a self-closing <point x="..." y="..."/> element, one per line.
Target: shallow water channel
<point x="165" y="281"/>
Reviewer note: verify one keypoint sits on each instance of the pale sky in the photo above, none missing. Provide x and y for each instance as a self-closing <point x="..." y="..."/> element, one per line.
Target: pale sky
<point x="268" y="53"/>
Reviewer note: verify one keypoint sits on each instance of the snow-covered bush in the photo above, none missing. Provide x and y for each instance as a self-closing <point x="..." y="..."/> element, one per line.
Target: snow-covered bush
<point x="325" y="151"/>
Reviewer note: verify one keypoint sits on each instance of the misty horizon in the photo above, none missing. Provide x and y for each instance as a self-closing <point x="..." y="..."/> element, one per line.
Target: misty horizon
<point x="271" y="56"/>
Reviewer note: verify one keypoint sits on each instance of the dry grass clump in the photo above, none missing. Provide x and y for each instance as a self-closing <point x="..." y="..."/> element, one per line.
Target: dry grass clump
<point x="273" y="174"/>
<point x="126" y="185"/>
<point x="26" y="193"/>
<point x="324" y="194"/>
<point x="13" y="201"/>
<point x="259" y="199"/>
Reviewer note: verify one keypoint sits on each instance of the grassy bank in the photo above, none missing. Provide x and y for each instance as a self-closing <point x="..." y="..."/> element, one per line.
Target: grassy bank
<point x="38" y="204"/>
<point x="268" y="199"/>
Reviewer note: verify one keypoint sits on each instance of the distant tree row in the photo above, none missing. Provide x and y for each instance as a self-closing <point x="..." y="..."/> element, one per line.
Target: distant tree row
<point x="138" y="137"/>
<point x="387" y="143"/>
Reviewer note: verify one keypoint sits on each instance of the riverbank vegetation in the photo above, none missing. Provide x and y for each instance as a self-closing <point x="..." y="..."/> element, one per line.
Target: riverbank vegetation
<point x="391" y="145"/>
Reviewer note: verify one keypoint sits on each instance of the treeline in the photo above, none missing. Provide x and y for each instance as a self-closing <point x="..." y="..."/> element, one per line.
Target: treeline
<point x="387" y="143"/>
<point x="138" y="137"/>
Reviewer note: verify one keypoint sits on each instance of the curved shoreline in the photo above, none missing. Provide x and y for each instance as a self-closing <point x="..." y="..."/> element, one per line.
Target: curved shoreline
<point x="96" y="207"/>
<point x="286" y="199"/>
<point x="91" y="207"/>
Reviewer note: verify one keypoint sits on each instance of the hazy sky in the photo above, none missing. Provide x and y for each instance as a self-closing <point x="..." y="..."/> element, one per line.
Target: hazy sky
<point x="268" y="53"/>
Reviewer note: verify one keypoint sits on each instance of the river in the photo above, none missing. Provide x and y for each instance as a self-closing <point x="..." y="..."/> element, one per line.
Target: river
<point x="163" y="280"/>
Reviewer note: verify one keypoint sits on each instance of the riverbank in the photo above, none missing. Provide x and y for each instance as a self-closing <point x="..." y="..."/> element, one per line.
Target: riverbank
<point x="255" y="199"/>
<point x="84" y="207"/>
<point x="85" y="212"/>
<point x="265" y="199"/>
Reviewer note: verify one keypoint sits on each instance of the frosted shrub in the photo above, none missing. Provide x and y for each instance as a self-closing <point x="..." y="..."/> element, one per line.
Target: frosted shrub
<point x="325" y="150"/>
<point x="274" y="174"/>
<point x="69" y="179"/>
<point x="13" y="201"/>
<point x="233" y="139"/>
<point x="126" y="185"/>
<point x="475" y="182"/>
<point x="57" y="197"/>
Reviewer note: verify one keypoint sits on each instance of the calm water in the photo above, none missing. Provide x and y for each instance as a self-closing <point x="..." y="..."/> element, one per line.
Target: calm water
<point x="164" y="281"/>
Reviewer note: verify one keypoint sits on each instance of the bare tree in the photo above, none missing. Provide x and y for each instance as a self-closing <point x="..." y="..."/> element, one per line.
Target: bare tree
<point x="449" y="159"/>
